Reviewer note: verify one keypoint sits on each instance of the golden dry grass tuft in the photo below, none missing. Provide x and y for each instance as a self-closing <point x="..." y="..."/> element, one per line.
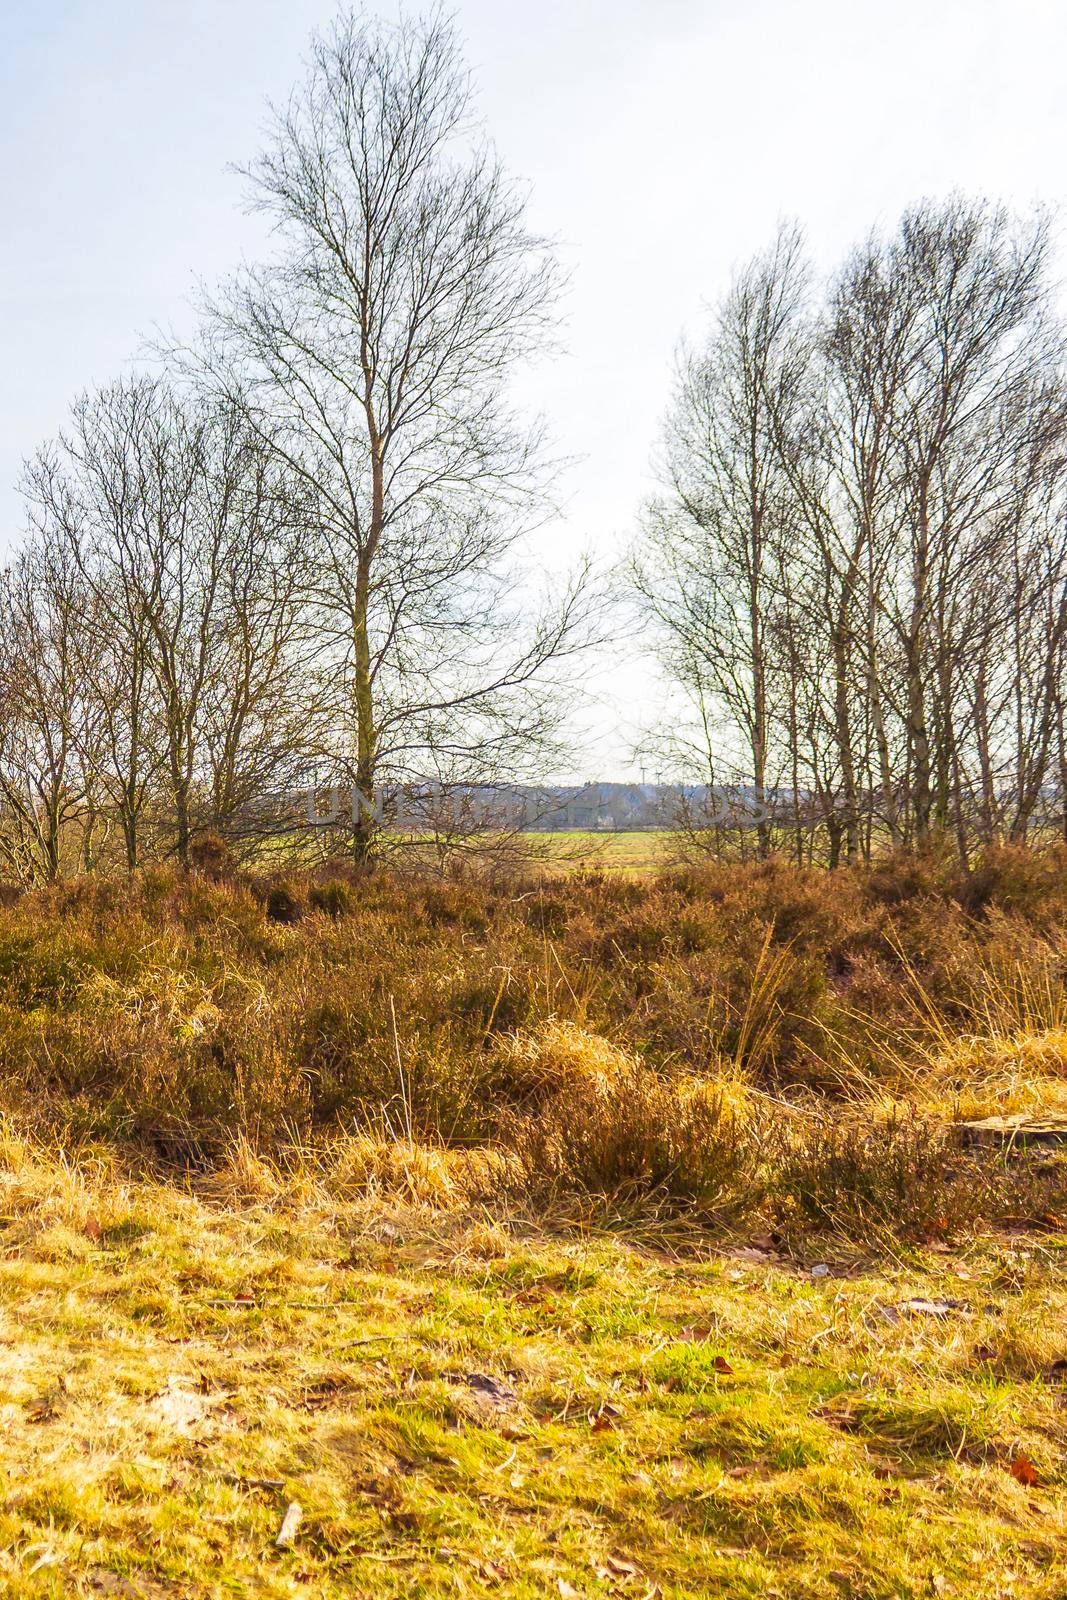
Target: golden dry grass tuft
<point x="557" y="1058"/>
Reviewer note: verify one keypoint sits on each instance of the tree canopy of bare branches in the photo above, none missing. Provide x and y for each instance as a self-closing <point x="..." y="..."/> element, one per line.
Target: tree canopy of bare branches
<point x="858" y="564"/>
<point x="373" y="355"/>
<point x="304" y="549"/>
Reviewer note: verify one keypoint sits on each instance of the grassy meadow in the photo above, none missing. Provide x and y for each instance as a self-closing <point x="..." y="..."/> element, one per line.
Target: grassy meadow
<point x="571" y="1233"/>
<point x="636" y="850"/>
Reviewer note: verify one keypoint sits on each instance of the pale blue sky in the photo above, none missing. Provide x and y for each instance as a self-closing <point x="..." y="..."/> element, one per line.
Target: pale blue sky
<point x="662" y="138"/>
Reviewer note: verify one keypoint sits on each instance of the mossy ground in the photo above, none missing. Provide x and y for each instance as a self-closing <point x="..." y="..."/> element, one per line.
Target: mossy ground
<point x="672" y="1420"/>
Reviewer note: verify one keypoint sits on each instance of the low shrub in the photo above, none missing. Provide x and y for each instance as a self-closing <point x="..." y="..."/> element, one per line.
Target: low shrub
<point x="854" y="1175"/>
<point x="593" y="1029"/>
<point x="902" y="1174"/>
<point x="631" y="1138"/>
<point x="334" y="897"/>
<point x="284" y="904"/>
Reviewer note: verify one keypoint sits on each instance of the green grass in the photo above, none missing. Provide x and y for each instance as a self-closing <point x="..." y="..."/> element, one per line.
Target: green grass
<point x="176" y="1369"/>
<point x="636" y="852"/>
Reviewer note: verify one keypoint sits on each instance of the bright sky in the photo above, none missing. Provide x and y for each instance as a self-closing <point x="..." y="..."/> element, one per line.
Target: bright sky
<point x="663" y="140"/>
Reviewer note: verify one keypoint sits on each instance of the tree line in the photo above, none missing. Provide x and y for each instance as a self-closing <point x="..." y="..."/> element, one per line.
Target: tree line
<point x="857" y="563"/>
<point x="294" y="545"/>
<point x="300" y="544"/>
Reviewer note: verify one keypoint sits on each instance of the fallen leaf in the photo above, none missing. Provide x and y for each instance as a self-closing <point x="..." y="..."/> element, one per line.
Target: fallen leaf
<point x="722" y="1365"/>
<point x="43" y="1409"/>
<point x="1023" y="1470"/>
<point x="533" y="1300"/>
<point x="620" y="1568"/>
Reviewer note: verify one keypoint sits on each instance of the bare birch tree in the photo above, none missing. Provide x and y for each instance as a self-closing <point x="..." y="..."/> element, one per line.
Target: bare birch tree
<point x="186" y="541"/>
<point x="909" y="561"/>
<point x="374" y="353"/>
<point x="49" y="725"/>
<point x="710" y="567"/>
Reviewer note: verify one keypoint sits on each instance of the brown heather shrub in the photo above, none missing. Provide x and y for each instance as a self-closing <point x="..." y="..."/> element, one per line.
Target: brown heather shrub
<point x="284" y="904"/>
<point x="638" y="1142"/>
<point x="596" y="1026"/>
<point x="1030" y="884"/>
<point x="853" y="1174"/>
<point x="904" y="1174"/>
<point x="634" y="1139"/>
<point x="211" y="855"/>
<point x="334" y="897"/>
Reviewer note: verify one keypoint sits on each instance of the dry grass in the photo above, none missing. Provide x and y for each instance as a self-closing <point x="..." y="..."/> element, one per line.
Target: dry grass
<point x="567" y="1237"/>
<point x="732" y="1043"/>
<point x="178" y="1364"/>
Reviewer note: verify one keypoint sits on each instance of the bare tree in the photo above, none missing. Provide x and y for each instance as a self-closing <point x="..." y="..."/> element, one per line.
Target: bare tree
<point x="709" y="572"/>
<point x="880" y="491"/>
<point x="185" y="538"/>
<point x="87" y="491"/>
<point x="49" y="726"/>
<point x="373" y="354"/>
